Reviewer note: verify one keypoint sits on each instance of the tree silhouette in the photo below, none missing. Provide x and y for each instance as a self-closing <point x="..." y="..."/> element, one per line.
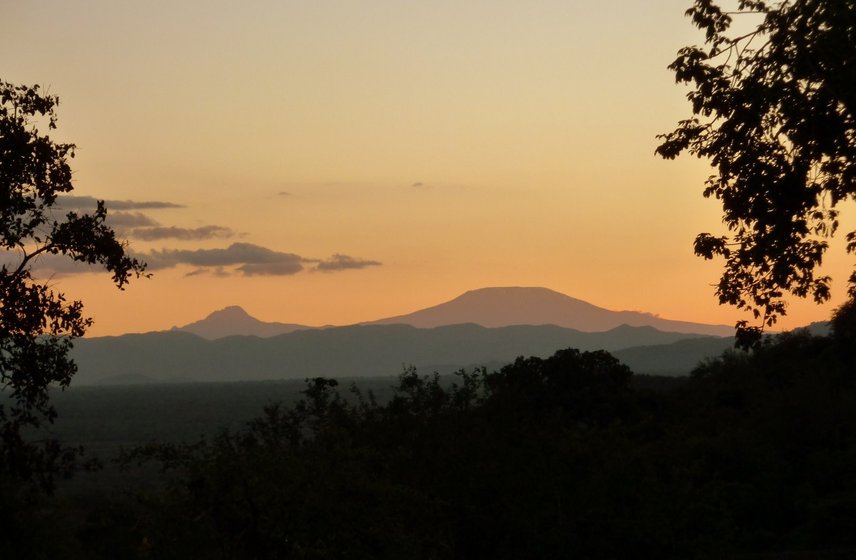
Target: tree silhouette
<point x="37" y="323"/>
<point x="774" y="109"/>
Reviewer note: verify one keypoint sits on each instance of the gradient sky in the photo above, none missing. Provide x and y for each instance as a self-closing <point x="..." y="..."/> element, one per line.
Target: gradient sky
<point x="335" y="161"/>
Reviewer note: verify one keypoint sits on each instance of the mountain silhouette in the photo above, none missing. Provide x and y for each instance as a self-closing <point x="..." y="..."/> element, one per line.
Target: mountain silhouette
<point x="500" y="307"/>
<point x="357" y="350"/>
<point x="487" y="307"/>
<point x="233" y="320"/>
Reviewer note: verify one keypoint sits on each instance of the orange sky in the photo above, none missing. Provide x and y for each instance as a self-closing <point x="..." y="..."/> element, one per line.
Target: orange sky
<point x="458" y="144"/>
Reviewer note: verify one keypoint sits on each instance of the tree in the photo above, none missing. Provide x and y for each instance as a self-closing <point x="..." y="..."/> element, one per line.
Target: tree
<point x="37" y="323"/>
<point x="774" y="109"/>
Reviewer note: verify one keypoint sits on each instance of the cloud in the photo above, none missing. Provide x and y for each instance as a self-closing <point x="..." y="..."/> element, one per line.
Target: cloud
<point x="218" y="272"/>
<point x="48" y="263"/>
<point x="72" y="202"/>
<point x="246" y="259"/>
<point x="186" y="234"/>
<point x="284" y="193"/>
<point x="284" y="268"/>
<point x="338" y="263"/>
<point x="130" y="219"/>
<point x="252" y="259"/>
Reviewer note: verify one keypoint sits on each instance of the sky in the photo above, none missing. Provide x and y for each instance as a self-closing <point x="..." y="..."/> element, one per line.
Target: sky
<point x="338" y="161"/>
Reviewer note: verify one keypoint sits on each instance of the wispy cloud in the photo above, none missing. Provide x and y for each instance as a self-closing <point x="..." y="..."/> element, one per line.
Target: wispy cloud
<point x="48" y="263"/>
<point x="185" y="234"/>
<point x="72" y="202"/>
<point x="245" y="259"/>
<point x="130" y="219"/>
<point x="248" y="259"/>
<point x="141" y="226"/>
<point x="338" y="263"/>
<point x="235" y="254"/>
<point x="282" y="268"/>
<point x="218" y="271"/>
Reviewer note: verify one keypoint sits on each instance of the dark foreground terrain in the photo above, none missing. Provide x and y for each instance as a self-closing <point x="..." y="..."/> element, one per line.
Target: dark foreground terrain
<point x="566" y="457"/>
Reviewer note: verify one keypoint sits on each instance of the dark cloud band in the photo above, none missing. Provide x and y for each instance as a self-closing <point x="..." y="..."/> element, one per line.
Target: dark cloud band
<point x="130" y="219"/>
<point x="338" y="263"/>
<point x="72" y="202"/>
<point x="185" y="234"/>
<point x="234" y="254"/>
<point x="246" y="259"/>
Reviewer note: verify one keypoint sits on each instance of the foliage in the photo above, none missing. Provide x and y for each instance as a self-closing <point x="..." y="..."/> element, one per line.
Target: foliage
<point x="844" y="321"/>
<point x="548" y="458"/>
<point x="37" y="323"/>
<point x="774" y="111"/>
<point x="569" y="456"/>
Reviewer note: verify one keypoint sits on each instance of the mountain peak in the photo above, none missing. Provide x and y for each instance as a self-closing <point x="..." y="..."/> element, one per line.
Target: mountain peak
<point x="529" y="294"/>
<point x="230" y="312"/>
<point x="517" y="305"/>
<point x="505" y="290"/>
<point x="234" y="320"/>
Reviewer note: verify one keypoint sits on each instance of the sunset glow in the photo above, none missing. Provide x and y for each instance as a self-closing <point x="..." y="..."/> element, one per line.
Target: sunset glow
<point x="335" y="162"/>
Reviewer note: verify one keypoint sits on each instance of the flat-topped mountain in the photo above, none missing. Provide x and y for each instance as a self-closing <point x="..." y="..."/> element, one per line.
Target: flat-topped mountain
<point x="485" y="327"/>
<point x="233" y="320"/>
<point x="500" y="307"/>
<point x="488" y="307"/>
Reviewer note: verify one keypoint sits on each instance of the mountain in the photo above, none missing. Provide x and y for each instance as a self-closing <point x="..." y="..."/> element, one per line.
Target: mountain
<point x="488" y="307"/>
<point x="359" y="350"/>
<point x="819" y="328"/>
<point x="499" y="307"/>
<point x="233" y="320"/>
<point x="677" y="358"/>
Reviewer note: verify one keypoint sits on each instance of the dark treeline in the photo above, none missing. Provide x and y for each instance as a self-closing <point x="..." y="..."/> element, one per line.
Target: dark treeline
<point x="565" y="457"/>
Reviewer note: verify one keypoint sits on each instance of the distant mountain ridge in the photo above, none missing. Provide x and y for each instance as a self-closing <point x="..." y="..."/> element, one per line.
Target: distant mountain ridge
<point x="359" y="350"/>
<point x="500" y="307"/>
